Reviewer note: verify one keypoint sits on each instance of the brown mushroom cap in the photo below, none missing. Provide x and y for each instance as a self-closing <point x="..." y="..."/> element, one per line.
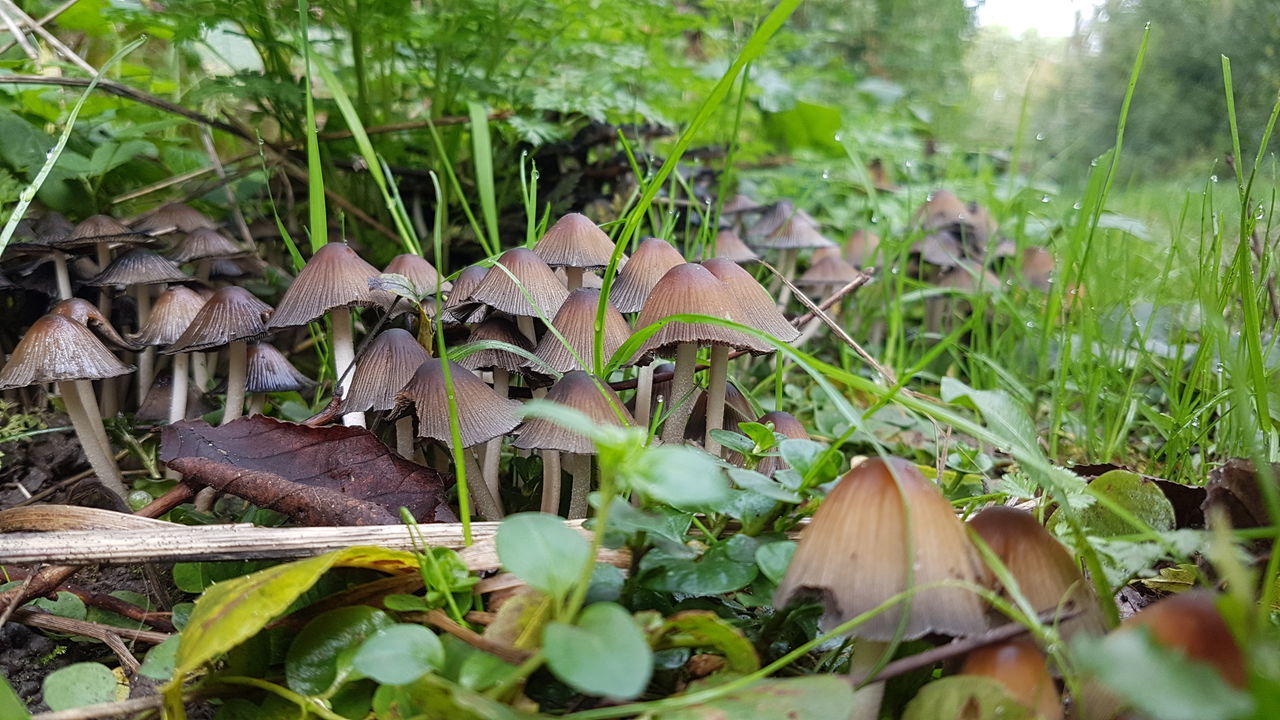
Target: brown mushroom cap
<point x="787" y="424"/>
<point x="100" y="229"/>
<point x="179" y="217"/>
<point x="731" y="247"/>
<point x="421" y="274"/>
<point x="796" y="233"/>
<point x="87" y="314"/>
<point x="651" y="260"/>
<point x="231" y="314"/>
<point x="776" y="217"/>
<point x="1190" y="624"/>
<point x="498" y="289"/>
<point x="171" y="315"/>
<point x="1019" y="666"/>
<point x="577" y="390"/>
<point x="828" y="270"/>
<point x="334" y="277"/>
<point x="576" y="322"/>
<point x="204" y="243"/>
<point x="575" y="241"/>
<point x="459" y="308"/>
<point x="56" y="348"/>
<point x="139" y="267"/>
<point x="502" y="330"/>
<point x="382" y="370"/>
<point x="482" y="413"/>
<point x="860" y="246"/>
<point x="690" y="288"/>
<point x="941" y="209"/>
<point x="854" y="555"/>
<point x="740" y="203"/>
<point x="751" y="302"/>
<point x="268" y="370"/>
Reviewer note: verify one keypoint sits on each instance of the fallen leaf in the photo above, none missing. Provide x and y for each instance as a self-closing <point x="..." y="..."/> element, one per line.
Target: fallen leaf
<point x="1186" y="499"/>
<point x="330" y="475"/>
<point x="1235" y="489"/>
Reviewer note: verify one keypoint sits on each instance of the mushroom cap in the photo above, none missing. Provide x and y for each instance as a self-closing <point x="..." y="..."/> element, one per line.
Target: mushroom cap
<point x="580" y="391"/>
<point x="787" y="424"/>
<point x="940" y="248"/>
<point x="576" y="322"/>
<point x="171" y="315"/>
<point x="230" y="315"/>
<point x="498" y="289"/>
<point x="202" y="243"/>
<point x="334" y="277"/>
<point x="56" y="348"/>
<point x="942" y="209"/>
<point x="652" y="258"/>
<point x="88" y="314"/>
<point x="268" y="370"/>
<point x="458" y="308"/>
<point x="1036" y="266"/>
<point x="690" y="288"/>
<point x="139" y="267"/>
<point x="779" y="214"/>
<point x="828" y="270"/>
<point x="100" y="229"/>
<point x="970" y="280"/>
<point x="854" y="555"/>
<point x="753" y="305"/>
<point x="860" y="246"/>
<point x="500" y="329"/>
<point x="575" y="241"/>
<point x="175" y="216"/>
<point x="740" y="203"/>
<point x="1019" y="666"/>
<point x="1190" y="624"/>
<point x="421" y="274"/>
<point x="52" y="227"/>
<point x="798" y="231"/>
<point x="731" y="247"/>
<point x="382" y="370"/>
<point x="482" y="413"/>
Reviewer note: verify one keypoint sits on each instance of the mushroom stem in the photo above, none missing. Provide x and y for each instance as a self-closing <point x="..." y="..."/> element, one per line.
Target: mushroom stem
<point x="88" y="424"/>
<point x="257" y="401"/>
<point x="715" y="395"/>
<point x="178" y="387"/>
<point x="493" y="448"/>
<point x="404" y="437"/>
<point x="90" y="401"/>
<point x="550" y="482"/>
<point x="344" y="353"/>
<point x="525" y="325"/>
<point x="104" y="293"/>
<point x="573" y="278"/>
<point x="146" y="358"/>
<point x="580" y="472"/>
<point x="486" y="504"/>
<point x="786" y="269"/>
<point x="200" y="371"/>
<point x="63" y="276"/>
<point x="867" y="699"/>
<point x="680" y="402"/>
<point x="644" y="395"/>
<point x="237" y="368"/>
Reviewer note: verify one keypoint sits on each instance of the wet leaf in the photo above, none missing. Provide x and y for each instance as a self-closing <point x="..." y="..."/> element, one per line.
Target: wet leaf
<point x="767" y="487"/>
<point x="605" y="653"/>
<point x="774" y="558"/>
<point x="817" y="697"/>
<point x="315" y="659"/>
<point x="1131" y="491"/>
<point x="158" y="664"/>
<point x="725" y="567"/>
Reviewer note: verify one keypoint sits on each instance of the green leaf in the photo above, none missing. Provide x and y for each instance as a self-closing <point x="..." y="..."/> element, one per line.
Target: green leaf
<point x="965" y="696"/>
<point x="64" y="604"/>
<point x="680" y="476"/>
<point x="736" y="442"/>
<point x="817" y="697"/>
<point x="158" y="665"/>
<point x="706" y="630"/>
<point x="109" y="156"/>
<point x="11" y="706"/>
<point x="482" y="156"/>
<point x="540" y="550"/>
<point x="80" y="684"/>
<point x="605" y="653"/>
<point x="1131" y="492"/>
<point x="314" y="661"/>
<point x="727" y="566"/>
<point x="774" y="558"/>
<point x="763" y="485"/>
<point x="399" y="654"/>
<point x="762" y="435"/>
<point x="431" y="697"/>
<point x="1002" y="415"/>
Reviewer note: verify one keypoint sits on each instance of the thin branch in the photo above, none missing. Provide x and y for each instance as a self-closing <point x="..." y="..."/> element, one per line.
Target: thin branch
<point x="179" y="179"/>
<point x="97" y="631"/>
<point x="206" y="137"/>
<point x="44" y="21"/>
<point x="105" y="710"/>
<point x="19" y="37"/>
<point x="66" y="52"/>
<point x="410" y="125"/>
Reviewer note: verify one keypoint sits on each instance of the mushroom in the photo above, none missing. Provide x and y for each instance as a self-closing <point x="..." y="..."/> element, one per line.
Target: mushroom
<point x="202" y="246"/>
<point x="458" y="308"/>
<point x="827" y="270"/>
<point x="422" y="276"/>
<point x="740" y="204"/>
<point x="861" y="247"/>
<point x="268" y="371"/>
<point x="517" y="272"/>
<point x="651" y="260"/>
<point x="333" y="281"/>
<point x="575" y="244"/>
<point x="231" y="317"/>
<point x="501" y="363"/>
<point x="174" y="217"/>
<point x="1019" y="666"/>
<point x="41" y="241"/>
<point x="173" y="313"/>
<point x="575" y="322"/>
<point x="797" y="232"/>
<point x="60" y="350"/>
<point x="584" y="393"/>
<point x="883" y="530"/>
<point x="101" y="232"/>
<point x="482" y="416"/>
<point x="385" y="366"/>
<point x="728" y="245"/>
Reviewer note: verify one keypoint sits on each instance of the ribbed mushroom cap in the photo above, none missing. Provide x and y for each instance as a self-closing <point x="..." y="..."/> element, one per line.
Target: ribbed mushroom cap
<point x="787" y="424"/>
<point x="498" y="289"/>
<point x="942" y="209"/>
<point x="751" y="302"/>
<point x="88" y="314"/>
<point x="652" y="259"/>
<point x="575" y="241"/>
<point x="139" y="267"/>
<point x="52" y="227"/>
<point x="268" y="370"/>
<point x="1046" y="574"/>
<point x="828" y="270"/>
<point x="178" y="216"/>
<point x="1190" y="624"/>
<point x="382" y="370"/>
<point x="171" y="315"/>
<point x="739" y="203"/>
<point x="860" y="246"/>
<point x="797" y="232"/>
<point x="577" y="390"/>
<point x="459" y="308"/>
<point x="203" y="243"/>
<point x="853" y="555"/>
<point x="576" y="322"/>
<point x="731" y="247"/>
<point x="57" y="348"/>
<point x="502" y="330"/>
<point x="1019" y="666"/>
<point x="775" y="217"/>
<point x="231" y="314"/>
<point x="100" y="229"/>
<point x="334" y="277"/>
<point x="482" y="413"/>
<point x="420" y="273"/>
<point x="939" y="248"/>
<point x="690" y="288"/>
<point x="736" y="409"/>
<point x="970" y="281"/>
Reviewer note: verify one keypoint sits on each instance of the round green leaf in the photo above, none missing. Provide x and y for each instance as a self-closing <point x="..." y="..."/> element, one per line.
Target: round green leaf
<point x="774" y="558"/>
<point x="158" y="664"/>
<point x="541" y="551"/>
<point x="312" y="663"/>
<point x="725" y="567"/>
<point x="681" y="477"/>
<point x="78" y="685"/>
<point x="1141" y="497"/>
<point x="399" y="654"/>
<point x="604" y="654"/>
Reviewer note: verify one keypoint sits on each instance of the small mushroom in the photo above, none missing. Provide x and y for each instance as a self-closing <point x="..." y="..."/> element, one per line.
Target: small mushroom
<point x="523" y="285"/>
<point x="384" y="367"/>
<point x="575" y="322"/>
<point x="231" y="317"/>
<point x="173" y="313"/>
<point x="575" y="244"/>
<point x="731" y="247"/>
<point x="269" y="371"/>
<point x="459" y="309"/>
<point x="797" y="232"/>
<point x="174" y="217"/>
<point x="651" y="260"/>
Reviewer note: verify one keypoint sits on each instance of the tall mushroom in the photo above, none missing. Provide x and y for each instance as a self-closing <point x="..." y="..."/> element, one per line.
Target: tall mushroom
<point x="384" y="367"/>
<point x="575" y="244"/>
<point x="651" y="260"/>
<point x="883" y="530"/>
<point x="101" y="232"/>
<point x="1019" y="666"/>
<point x="231" y="317"/>
<point x="575" y="322"/>
<point x="458" y="308"/>
<point x="173" y="313"/>
<point x="521" y="284"/>
<point x="333" y="281"/>
<point x="60" y="350"/>
<point x="202" y="246"/>
<point x="174" y="217"/>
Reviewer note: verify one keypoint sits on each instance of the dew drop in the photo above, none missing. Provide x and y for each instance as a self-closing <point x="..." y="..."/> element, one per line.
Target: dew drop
<point x="1076" y="206"/>
<point x="1044" y="198"/>
<point x="1213" y="178"/>
<point x="1039" y="137"/>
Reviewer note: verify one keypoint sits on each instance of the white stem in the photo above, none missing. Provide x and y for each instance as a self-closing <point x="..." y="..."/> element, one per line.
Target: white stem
<point x="146" y="358"/>
<point x="644" y="396"/>
<point x="64" y="277"/>
<point x="404" y="437"/>
<point x="573" y="278"/>
<point x="204" y="500"/>
<point x="110" y="389"/>
<point x="88" y="426"/>
<point x="486" y="505"/>
<point x="344" y="353"/>
<point x="178" y="387"/>
<point x="786" y="270"/>
<point x="680" y="403"/>
<point x="237" y="367"/>
<point x="200" y="371"/>
<point x="867" y="699"/>
<point x="716" y="386"/>
<point x="580" y="487"/>
<point x="493" y="449"/>
<point x="550" y="482"/>
<point x="104" y="293"/>
<point x="525" y="324"/>
<point x="90" y="401"/>
<point x="257" y="402"/>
